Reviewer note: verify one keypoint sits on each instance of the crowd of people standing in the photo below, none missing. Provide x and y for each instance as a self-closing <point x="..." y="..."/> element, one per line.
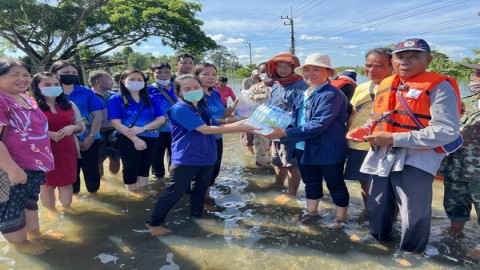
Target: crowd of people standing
<point x="385" y="133"/>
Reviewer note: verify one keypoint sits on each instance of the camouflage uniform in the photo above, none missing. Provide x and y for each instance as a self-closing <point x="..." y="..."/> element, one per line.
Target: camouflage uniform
<point x="461" y="169"/>
<point x="260" y="93"/>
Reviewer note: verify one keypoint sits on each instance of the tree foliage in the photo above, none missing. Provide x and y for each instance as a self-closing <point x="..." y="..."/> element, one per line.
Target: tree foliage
<point x="47" y="30"/>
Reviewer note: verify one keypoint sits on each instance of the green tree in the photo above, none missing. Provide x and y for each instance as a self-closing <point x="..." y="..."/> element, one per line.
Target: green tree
<point x="62" y="29"/>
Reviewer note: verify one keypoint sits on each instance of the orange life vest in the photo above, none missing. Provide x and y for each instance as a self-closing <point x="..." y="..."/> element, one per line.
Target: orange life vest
<point x="388" y="114"/>
<point x="341" y="82"/>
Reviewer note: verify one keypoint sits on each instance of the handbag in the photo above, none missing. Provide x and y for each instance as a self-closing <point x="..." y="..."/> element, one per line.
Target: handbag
<point x="113" y="136"/>
<point x="4" y="181"/>
<point x="446" y="148"/>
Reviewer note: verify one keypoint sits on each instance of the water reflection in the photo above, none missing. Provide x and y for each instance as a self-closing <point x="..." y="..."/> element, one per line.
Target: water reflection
<point x="249" y="229"/>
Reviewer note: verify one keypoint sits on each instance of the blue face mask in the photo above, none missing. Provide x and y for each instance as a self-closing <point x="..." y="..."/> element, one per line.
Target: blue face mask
<point x="52" y="91"/>
<point x="194" y="95"/>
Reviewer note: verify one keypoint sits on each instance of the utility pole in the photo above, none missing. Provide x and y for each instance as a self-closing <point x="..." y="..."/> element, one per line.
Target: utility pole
<point x="249" y="44"/>
<point x="292" y="32"/>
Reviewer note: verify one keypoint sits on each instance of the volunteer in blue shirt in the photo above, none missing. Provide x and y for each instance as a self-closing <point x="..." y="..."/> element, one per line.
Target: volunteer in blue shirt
<point x="194" y="151"/>
<point x="135" y="116"/>
<point x="207" y="73"/>
<point x="90" y="108"/>
<point x="163" y="93"/>
<point x="317" y="137"/>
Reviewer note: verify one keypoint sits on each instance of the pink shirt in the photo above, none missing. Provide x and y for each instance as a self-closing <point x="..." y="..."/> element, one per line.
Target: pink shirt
<point x="27" y="138"/>
<point x="225" y="93"/>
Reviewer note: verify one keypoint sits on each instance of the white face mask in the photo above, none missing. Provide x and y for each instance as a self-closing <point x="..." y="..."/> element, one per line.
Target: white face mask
<point x="474" y="87"/>
<point x="264" y="77"/>
<point x="135" y="86"/>
<point x="163" y="82"/>
<point x="51" y="91"/>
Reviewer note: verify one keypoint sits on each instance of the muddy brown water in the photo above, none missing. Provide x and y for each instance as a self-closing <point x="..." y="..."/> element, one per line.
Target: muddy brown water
<point x="248" y="230"/>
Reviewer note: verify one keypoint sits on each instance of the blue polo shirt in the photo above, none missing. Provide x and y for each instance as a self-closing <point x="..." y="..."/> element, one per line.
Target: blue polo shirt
<point x="215" y="105"/>
<point x="190" y="147"/>
<point x="165" y="105"/>
<point x="117" y="110"/>
<point x="87" y="102"/>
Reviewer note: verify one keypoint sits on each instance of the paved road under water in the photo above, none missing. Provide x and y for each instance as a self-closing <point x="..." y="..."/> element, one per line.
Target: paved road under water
<point x="248" y="230"/>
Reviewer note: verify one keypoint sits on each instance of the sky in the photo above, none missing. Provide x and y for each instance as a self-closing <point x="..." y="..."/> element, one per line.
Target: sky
<point x="342" y="29"/>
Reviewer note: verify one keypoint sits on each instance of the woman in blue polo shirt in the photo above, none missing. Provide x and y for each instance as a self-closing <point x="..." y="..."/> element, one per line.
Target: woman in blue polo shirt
<point x="207" y="73"/>
<point x="133" y="114"/>
<point x="194" y="151"/>
<point x="91" y="111"/>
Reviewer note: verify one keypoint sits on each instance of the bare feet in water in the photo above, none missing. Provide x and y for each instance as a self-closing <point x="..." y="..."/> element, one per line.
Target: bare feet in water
<point x="30" y="248"/>
<point x="273" y="185"/>
<point x="70" y="210"/>
<point x="45" y="236"/>
<point x="337" y="224"/>
<point x="284" y="198"/>
<point x="157" y="231"/>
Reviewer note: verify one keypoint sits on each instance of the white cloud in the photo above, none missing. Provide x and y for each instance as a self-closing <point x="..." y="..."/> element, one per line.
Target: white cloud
<point x="307" y="37"/>
<point x="243" y="56"/>
<point x="217" y="37"/>
<point x="349" y="54"/>
<point x="335" y="38"/>
<point x="259" y="49"/>
<point x="350" y="47"/>
<point x="234" y="40"/>
<point x="367" y="29"/>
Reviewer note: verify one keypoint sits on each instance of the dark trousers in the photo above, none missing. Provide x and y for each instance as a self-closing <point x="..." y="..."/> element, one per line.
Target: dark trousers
<point x="313" y="175"/>
<point x="135" y="163"/>
<point x="412" y="190"/>
<point x="164" y="143"/>
<point x="216" y="167"/>
<point x="182" y="178"/>
<point x="89" y="166"/>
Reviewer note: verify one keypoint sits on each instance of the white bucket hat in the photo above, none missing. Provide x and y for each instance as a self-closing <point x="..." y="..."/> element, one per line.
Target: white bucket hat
<point x="319" y="60"/>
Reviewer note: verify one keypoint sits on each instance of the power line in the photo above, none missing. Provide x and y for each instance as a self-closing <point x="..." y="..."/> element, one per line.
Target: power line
<point x="380" y="20"/>
<point x="311" y="8"/>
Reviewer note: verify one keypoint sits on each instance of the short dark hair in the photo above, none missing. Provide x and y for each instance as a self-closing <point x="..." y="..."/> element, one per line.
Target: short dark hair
<point x="184" y="55"/>
<point x="7" y="63"/>
<point x="95" y="75"/>
<point x="223" y="79"/>
<point x="158" y="66"/>
<point x="382" y="51"/>
<point x="57" y="65"/>
<point x="259" y="65"/>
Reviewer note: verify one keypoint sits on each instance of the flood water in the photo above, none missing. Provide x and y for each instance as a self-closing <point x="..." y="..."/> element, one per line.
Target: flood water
<point x="248" y="230"/>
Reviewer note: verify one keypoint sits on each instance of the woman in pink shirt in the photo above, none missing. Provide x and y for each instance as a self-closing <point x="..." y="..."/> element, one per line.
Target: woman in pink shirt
<point x="26" y="156"/>
<point x="225" y="91"/>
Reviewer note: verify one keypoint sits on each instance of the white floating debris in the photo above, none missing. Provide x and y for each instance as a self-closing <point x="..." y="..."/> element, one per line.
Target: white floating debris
<point x="106" y="258"/>
<point x="172" y="265"/>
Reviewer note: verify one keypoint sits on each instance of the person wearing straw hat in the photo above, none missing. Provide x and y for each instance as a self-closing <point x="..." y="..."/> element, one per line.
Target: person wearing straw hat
<point x="317" y="137"/>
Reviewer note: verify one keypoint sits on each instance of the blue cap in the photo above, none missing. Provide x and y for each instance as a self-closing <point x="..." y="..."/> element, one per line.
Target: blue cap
<point x="412" y="44"/>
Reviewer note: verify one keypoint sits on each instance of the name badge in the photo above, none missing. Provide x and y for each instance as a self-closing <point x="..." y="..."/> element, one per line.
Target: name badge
<point x="412" y="93"/>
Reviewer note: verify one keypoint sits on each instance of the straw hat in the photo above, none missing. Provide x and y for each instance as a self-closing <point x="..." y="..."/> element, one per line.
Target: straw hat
<point x="319" y="60"/>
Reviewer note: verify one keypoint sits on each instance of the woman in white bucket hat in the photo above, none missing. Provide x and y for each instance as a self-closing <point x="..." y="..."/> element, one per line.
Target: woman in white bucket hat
<point x="318" y="132"/>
